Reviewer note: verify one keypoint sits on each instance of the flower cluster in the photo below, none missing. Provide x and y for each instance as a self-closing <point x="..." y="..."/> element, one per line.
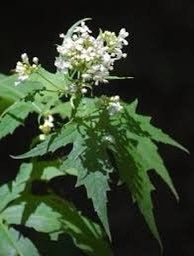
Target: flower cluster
<point x="90" y="59"/>
<point x="114" y="105"/>
<point x="46" y="127"/>
<point x="24" y="68"/>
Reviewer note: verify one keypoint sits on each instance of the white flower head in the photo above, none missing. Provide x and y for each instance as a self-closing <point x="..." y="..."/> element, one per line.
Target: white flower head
<point x="92" y="58"/>
<point x="24" y="69"/>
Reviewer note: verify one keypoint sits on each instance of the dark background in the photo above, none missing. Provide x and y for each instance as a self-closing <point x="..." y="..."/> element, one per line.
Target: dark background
<point x="160" y="57"/>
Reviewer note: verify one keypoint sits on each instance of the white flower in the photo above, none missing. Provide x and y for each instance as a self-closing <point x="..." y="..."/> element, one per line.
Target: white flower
<point x="122" y="35"/>
<point x="25" y="58"/>
<point x="24" y="68"/>
<point x="62" y="65"/>
<point x="35" y="60"/>
<point x="42" y="137"/>
<point x="91" y="58"/>
<point x="83" y="29"/>
<point x="61" y="35"/>
<point x="84" y="90"/>
<point x="114" y="105"/>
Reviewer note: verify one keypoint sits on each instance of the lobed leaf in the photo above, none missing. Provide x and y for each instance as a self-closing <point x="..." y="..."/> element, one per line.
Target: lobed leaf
<point x="89" y="161"/>
<point x="54" y="141"/>
<point x="47" y="214"/>
<point x="13" y="243"/>
<point x="14" y="116"/>
<point x="143" y="123"/>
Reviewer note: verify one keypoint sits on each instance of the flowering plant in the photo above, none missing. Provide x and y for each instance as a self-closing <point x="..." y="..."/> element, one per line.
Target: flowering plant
<point x="105" y="134"/>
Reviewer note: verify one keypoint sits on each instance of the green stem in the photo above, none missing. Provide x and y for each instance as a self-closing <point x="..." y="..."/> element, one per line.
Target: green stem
<point x="76" y="102"/>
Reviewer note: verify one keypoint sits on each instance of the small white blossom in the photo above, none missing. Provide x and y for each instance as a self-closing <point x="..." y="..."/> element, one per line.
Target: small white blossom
<point x="83" y="29"/>
<point x="61" y="35"/>
<point x="42" y="137"/>
<point x="24" y="68"/>
<point x="114" y="105"/>
<point x="48" y="124"/>
<point x="25" y="58"/>
<point x="109" y="138"/>
<point x="35" y="60"/>
<point x="84" y="90"/>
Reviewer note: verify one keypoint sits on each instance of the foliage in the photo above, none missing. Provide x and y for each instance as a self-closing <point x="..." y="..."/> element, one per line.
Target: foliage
<point x="106" y="136"/>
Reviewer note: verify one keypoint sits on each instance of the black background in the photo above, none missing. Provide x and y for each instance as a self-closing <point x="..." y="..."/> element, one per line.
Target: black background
<point x="160" y="57"/>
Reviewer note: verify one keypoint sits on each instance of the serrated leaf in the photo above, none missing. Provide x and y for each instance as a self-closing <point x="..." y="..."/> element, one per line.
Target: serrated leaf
<point x="48" y="214"/>
<point x="53" y="215"/>
<point x="10" y="192"/>
<point x="14" y="117"/>
<point x="143" y="122"/>
<point x="54" y="141"/>
<point x="12" y="243"/>
<point x="89" y="158"/>
<point x="9" y="91"/>
<point x="135" y="154"/>
<point x="96" y="184"/>
<point x="152" y="159"/>
<point x="88" y="108"/>
<point x="63" y="109"/>
<point x="133" y="171"/>
<point x="51" y="81"/>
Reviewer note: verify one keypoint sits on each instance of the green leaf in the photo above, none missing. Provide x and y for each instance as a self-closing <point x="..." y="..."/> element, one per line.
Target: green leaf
<point x="63" y="109"/>
<point x="2" y="76"/>
<point x="8" y="90"/>
<point x="53" y="215"/>
<point x="96" y="184"/>
<point x="10" y="192"/>
<point x="89" y="161"/>
<point x="47" y="214"/>
<point x="11" y="92"/>
<point x="46" y="170"/>
<point x="133" y="167"/>
<point x="136" y="154"/>
<point x="14" y="117"/>
<point x="152" y="159"/>
<point x="4" y="104"/>
<point x="51" y="81"/>
<point x="65" y="136"/>
<point x="144" y="125"/>
<point x="12" y="243"/>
